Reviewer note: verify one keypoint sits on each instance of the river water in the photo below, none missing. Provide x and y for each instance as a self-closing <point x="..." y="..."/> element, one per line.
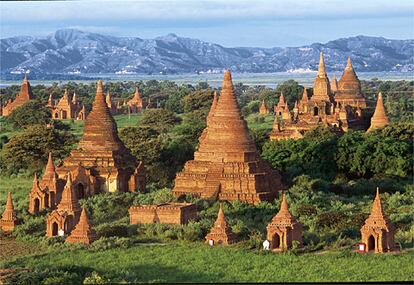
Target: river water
<point x="268" y="79"/>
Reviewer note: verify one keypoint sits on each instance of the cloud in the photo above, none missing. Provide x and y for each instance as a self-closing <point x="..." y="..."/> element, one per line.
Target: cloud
<point x="213" y="10"/>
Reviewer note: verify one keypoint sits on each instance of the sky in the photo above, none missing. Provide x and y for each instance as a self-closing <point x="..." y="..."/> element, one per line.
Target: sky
<point x="230" y="23"/>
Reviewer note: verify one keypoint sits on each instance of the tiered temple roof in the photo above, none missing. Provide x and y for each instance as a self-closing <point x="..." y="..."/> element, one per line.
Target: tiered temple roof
<point x="379" y="119"/>
<point x="221" y="232"/>
<point x="263" y="110"/>
<point x="25" y="95"/>
<point x="82" y="233"/>
<point x="227" y="165"/>
<point x="349" y="88"/>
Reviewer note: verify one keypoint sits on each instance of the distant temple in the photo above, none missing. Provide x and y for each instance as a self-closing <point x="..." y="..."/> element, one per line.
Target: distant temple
<point x="8" y="220"/>
<point x="378" y="231"/>
<point x="226" y="165"/>
<point x="379" y="119"/>
<point x="111" y="106"/>
<point x="66" y="108"/>
<point x="283" y="229"/>
<point x="263" y="110"/>
<point x="221" y="232"/>
<point x="136" y="104"/>
<point x="336" y="105"/>
<point x="25" y="95"/>
<point x="167" y="213"/>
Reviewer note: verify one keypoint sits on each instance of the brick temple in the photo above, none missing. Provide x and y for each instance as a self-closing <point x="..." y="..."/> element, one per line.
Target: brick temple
<point x="378" y="232"/>
<point x="101" y="162"/>
<point x="221" y="232"/>
<point x="336" y="105"/>
<point x="263" y="110"/>
<point x="136" y="104"/>
<point x="166" y="213"/>
<point x="227" y="165"/>
<point x="64" y="218"/>
<point x="25" y="95"/>
<point x="8" y="219"/>
<point x="66" y="108"/>
<point x="283" y="229"/>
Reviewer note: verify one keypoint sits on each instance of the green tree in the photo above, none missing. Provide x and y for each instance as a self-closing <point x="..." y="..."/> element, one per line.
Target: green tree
<point x="198" y="100"/>
<point x="30" y="149"/>
<point x="31" y="113"/>
<point x="291" y="90"/>
<point x="159" y="119"/>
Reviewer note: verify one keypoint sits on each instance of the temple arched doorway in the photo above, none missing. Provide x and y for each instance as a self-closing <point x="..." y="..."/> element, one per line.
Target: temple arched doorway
<point x="80" y="189"/>
<point x="371" y="243"/>
<point x="36" y="205"/>
<point x="68" y="224"/>
<point x="276" y="241"/>
<point x="315" y="111"/>
<point x="54" y="229"/>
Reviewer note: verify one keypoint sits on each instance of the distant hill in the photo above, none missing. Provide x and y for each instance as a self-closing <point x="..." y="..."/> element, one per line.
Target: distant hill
<point x="72" y="51"/>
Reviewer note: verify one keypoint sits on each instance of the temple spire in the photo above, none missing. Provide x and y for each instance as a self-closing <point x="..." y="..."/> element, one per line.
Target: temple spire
<point x="376" y="210"/>
<point x="9" y="203"/>
<point x="50" y="172"/>
<point x="8" y="218"/>
<point x="282" y="100"/>
<point x="321" y="67"/>
<point x="69" y="200"/>
<point x="213" y="104"/>
<point x="35" y="184"/>
<point x="83" y="233"/>
<point x="379" y="119"/>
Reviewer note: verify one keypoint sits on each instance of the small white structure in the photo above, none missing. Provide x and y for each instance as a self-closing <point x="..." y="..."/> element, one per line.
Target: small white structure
<point x="61" y="233"/>
<point x="266" y="245"/>
<point x="211" y="242"/>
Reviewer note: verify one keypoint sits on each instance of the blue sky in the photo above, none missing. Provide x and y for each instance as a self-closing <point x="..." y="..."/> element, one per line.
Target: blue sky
<point x="226" y="22"/>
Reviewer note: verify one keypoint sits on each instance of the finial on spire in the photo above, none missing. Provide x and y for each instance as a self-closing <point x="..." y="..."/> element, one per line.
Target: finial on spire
<point x="99" y="88"/>
<point x="349" y="63"/>
<point x="69" y="180"/>
<point x="25" y="80"/>
<point x="227" y="75"/>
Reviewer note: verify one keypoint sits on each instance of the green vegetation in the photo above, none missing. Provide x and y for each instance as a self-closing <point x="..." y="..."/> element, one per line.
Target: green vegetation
<point x="331" y="183"/>
<point x="195" y="262"/>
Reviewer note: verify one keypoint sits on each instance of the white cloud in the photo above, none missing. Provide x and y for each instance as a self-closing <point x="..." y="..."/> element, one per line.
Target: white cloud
<point x="52" y="11"/>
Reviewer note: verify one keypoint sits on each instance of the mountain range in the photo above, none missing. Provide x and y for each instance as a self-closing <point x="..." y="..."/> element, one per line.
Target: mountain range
<point x="70" y="51"/>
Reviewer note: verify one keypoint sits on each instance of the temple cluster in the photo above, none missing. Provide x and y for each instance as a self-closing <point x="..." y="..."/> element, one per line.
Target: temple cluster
<point x="337" y="105"/>
<point x="226" y="165"/>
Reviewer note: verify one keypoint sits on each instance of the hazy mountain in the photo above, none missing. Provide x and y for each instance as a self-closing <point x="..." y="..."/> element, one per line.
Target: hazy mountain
<point x="74" y="51"/>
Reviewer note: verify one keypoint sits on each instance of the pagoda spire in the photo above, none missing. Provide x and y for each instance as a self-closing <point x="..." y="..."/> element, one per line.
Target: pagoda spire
<point x="137" y="95"/>
<point x="9" y="214"/>
<point x="284" y="209"/>
<point x="305" y="97"/>
<point x="50" y="101"/>
<point x="100" y="131"/>
<point x="221" y="219"/>
<point x="50" y="171"/>
<point x="69" y="200"/>
<point x="35" y="184"/>
<point x="282" y="100"/>
<point x="74" y="99"/>
<point x="83" y="233"/>
<point x="321" y="67"/>
<point x="376" y="210"/>
<point x="379" y="119"/>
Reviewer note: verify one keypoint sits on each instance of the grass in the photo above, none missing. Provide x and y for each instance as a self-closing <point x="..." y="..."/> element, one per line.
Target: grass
<point x="197" y="262"/>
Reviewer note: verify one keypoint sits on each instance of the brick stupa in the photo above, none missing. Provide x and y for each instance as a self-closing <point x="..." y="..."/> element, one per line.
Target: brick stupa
<point x="83" y="233"/>
<point x="378" y="232"/>
<point x="379" y="119"/>
<point x="283" y="229"/>
<point x="25" y="95"/>
<point x="226" y="165"/>
<point x="349" y="88"/>
<point x="8" y="219"/>
<point x="101" y="162"/>
<point x="221" y="232"/>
